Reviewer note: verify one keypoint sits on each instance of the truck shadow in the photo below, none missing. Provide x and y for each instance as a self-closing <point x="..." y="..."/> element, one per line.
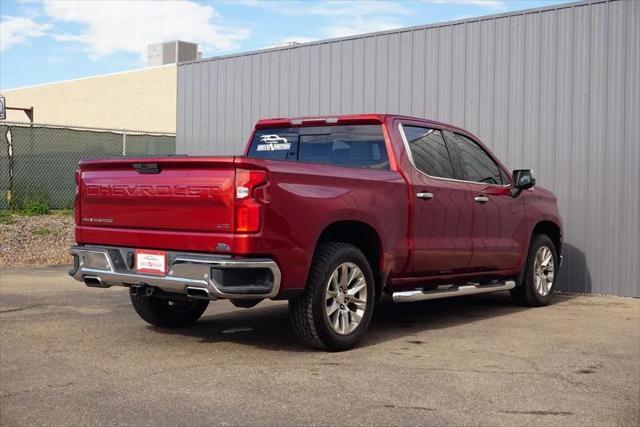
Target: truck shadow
<point x="392" y="321"/>
<point x="268" y="328"/>
<point x="574" y="274"/>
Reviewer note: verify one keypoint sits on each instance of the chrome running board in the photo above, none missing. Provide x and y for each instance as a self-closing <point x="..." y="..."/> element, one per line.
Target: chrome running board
<point x="452" y="291"/>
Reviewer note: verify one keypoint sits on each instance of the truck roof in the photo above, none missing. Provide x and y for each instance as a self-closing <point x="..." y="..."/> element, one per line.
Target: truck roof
<point x="365" y="118"/>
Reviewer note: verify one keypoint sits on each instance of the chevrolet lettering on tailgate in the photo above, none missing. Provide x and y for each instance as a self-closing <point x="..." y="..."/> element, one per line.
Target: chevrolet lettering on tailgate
<point x="107" y="190"/>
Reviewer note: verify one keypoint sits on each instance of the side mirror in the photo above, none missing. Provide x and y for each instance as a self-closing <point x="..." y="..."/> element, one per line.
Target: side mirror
<point x="523" y="179"/>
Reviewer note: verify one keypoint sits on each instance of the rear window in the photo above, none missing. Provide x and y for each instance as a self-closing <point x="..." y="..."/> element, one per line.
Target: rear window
<point x="359" y="146"/>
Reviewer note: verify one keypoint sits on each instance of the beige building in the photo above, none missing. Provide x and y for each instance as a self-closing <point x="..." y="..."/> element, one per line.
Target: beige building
<point x="143" y="99"/>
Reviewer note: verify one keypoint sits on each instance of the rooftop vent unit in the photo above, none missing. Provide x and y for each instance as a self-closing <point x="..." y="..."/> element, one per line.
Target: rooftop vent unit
<point x="172" y="53"/>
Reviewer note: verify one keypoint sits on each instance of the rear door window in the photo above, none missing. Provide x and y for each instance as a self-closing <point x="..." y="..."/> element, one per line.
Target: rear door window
<point x="429" y="151"/>
<point x="360" y="146"/>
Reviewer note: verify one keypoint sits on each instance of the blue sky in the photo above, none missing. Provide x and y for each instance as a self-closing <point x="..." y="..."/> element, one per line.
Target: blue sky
<point x="46" y="41"/>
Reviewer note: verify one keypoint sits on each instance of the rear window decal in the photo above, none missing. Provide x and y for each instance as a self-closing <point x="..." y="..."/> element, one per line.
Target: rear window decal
<point x="273" y="143"/>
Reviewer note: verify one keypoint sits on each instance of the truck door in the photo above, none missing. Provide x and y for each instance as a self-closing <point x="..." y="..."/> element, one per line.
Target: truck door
<point x="499" y="219"/>
<point x="442" y="205"/>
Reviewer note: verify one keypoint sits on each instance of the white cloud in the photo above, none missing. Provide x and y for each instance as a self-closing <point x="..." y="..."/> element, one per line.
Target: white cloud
<point x="334" y="8"/>
<point x="292" y="40"/>
<point x="493" y="4"/>
<point x="242" y="2"/>
<point x="109" y="27"/>
<point x="16" y="30"/>
<point x="340" y="18"/>
<point x="359" y="26"/>
<point x="342" y="8"/>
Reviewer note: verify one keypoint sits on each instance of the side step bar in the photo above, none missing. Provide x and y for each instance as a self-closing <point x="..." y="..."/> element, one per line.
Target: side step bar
<point x="455" y="291"/>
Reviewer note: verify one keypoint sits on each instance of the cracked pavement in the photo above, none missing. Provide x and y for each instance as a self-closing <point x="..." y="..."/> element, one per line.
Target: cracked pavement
<point x="71" y="355"/>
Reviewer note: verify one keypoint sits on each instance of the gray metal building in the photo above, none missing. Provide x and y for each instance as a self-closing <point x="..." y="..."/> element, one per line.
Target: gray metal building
<point x="555" y="89"/>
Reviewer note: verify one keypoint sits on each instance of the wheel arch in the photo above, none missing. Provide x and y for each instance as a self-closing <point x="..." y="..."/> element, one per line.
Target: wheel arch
<point x="552" y="230"/>
<point x="361" y="235"/>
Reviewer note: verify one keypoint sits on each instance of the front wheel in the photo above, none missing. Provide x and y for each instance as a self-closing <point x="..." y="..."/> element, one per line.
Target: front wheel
<point x="537" y="282"/>
<point x="168" y="313"/>
<point x="335" y="310"/>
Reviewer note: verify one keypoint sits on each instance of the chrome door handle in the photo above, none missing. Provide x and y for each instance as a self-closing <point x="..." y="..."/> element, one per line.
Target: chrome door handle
<point x="481" y="199"/>
<point x="424" y="196"/>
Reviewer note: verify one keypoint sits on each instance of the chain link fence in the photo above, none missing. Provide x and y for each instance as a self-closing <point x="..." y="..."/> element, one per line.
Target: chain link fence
<point x="38" y="161"/>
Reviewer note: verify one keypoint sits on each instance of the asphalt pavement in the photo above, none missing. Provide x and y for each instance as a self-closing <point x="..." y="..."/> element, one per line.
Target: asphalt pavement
<point x="71" y="355"/>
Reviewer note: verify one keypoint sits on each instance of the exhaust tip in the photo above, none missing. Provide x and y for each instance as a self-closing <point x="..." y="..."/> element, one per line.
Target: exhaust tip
<point x="198" y="293"/>
<point x="94" y="282"/>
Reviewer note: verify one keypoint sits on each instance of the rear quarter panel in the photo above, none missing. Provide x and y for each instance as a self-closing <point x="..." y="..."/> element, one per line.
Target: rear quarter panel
<point x="303" y="199"/>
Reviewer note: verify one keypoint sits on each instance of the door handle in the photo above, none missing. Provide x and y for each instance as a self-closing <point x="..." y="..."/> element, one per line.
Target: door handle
<point x="481" y="199"/>
<point x="424" y="196"/>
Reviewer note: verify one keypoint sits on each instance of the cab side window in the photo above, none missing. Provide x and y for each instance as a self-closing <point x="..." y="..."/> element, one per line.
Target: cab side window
<point x="477" y="165"/>
<point x="429" y="151"/>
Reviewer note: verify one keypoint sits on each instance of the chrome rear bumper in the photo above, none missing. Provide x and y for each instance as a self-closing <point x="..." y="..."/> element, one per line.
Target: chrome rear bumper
<point x="193" y="274"/>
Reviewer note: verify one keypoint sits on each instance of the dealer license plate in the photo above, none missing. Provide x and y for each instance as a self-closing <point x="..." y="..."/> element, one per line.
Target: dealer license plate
<point x="151" y="262"/>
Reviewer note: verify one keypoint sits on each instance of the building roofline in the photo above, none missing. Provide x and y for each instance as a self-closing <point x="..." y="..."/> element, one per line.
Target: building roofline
<point x="135" y="70"/>
<point x="402" y="30"/>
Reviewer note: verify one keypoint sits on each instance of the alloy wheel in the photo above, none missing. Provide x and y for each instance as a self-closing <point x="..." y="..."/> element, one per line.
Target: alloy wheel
<point x="543" y="270"/>
<point x="346" y="298"/>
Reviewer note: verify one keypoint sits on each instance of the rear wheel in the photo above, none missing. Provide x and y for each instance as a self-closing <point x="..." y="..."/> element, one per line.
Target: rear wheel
<point x="537" y="281"/>
<point x="335" y="310"/>
<point x="168" y="313"/>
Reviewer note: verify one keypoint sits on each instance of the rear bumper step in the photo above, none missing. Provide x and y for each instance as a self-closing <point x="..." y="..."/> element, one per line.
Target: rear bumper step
<point x="196" y="275"/>
<point x="453" y="291"/>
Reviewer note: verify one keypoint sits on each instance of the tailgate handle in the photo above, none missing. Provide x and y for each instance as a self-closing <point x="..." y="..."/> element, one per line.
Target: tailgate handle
<point x="146" y="167"/>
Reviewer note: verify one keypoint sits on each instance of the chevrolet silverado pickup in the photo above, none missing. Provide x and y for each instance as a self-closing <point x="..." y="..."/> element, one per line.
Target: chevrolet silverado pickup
<point x="329" y="213"/>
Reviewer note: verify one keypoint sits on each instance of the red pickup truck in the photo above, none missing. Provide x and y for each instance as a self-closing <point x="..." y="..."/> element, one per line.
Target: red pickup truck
<point x="329" y="213"/>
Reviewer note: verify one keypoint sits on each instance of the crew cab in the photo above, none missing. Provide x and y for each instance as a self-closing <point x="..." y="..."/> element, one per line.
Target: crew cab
<point x="329" y="213"/>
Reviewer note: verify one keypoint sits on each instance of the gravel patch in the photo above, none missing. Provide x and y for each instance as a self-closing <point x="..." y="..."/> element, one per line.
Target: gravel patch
<point x="36" y="240"/>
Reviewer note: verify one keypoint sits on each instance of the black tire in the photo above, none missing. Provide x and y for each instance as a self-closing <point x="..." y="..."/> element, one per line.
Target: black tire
<point x="307" y="312"/>
<point x="167" y="313"/>
<point x="526" y="293"/>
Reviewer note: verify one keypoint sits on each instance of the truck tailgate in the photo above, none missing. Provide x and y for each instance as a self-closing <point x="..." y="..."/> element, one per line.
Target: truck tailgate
<point x="172" y="194"/>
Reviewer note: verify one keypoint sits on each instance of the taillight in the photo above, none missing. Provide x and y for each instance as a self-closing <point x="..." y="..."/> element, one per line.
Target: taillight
<point x="248" y="211"/>
<point x="76" y="202"/>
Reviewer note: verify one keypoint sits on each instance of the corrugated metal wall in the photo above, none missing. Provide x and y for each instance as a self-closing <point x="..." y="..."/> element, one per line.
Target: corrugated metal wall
<point x="555" y="89"/>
